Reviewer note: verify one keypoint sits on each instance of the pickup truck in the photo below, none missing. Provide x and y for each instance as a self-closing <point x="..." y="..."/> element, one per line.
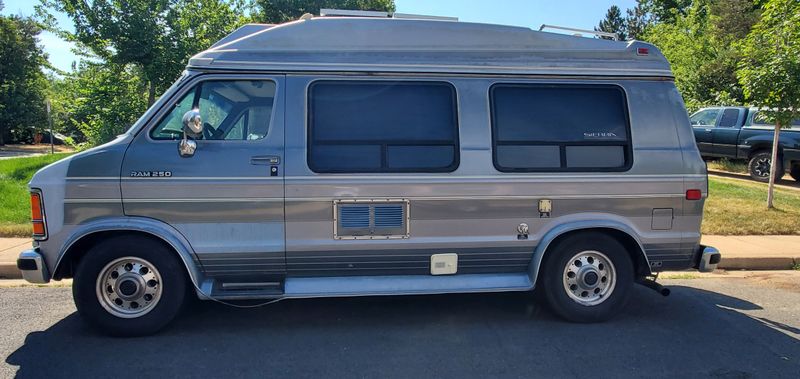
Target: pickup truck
<point x="743" y="133"/>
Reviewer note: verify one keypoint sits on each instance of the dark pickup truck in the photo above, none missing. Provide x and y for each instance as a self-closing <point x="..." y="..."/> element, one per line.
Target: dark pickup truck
<point x="742" y="133"/>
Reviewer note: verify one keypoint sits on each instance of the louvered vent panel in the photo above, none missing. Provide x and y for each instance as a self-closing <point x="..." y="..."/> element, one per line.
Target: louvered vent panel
<point x="372" y="219"/>
<point x="389" y="216"/>
<point x="354" y="216"/>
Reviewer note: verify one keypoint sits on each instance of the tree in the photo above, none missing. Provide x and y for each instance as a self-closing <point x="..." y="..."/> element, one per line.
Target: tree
<point x="279" y="11"/>
<point x="157" y="36"/>
<point x="100" y="100"/>
<point x="22" y="82"/>
<point x="637" y="20"/>
<point x="770" y="69"/>
<point x="613" y="23"/>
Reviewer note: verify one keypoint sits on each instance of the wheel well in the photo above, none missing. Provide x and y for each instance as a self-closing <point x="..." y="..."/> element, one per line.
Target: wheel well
<point x="81" y="247"/>
<point x="763" y="149"/>
<point x="640" y="264"/>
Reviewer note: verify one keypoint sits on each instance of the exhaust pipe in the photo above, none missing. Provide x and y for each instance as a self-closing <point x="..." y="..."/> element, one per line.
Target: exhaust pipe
<point x="649" y="283"/>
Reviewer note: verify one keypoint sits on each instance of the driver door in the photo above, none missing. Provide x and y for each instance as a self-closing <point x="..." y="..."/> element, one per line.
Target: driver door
<point x="228" y="198"/>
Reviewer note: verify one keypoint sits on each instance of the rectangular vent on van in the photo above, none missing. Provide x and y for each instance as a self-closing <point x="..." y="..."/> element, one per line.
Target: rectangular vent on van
<point x="354" y="216"/>
<point x="388" y="216"/>
<point x="370" y="219"/>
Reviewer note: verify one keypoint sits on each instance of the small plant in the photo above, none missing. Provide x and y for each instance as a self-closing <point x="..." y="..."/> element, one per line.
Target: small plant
<point x="796" y="266"/>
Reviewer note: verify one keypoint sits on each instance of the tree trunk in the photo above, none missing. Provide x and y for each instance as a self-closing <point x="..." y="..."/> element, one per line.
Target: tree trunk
<point x="151" y="93"/>
<point x="773" y="167"/>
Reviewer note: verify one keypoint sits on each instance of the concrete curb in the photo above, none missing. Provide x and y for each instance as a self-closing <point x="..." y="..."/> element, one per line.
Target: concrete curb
<point x="8" y="270"/>
<point x="760" y="263"/>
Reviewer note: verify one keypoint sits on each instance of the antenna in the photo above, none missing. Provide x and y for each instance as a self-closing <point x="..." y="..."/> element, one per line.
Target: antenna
<point x="613" y="36"/>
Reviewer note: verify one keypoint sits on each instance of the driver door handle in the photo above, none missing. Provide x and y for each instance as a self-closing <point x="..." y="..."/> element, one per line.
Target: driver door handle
<point x="265" y="160"/>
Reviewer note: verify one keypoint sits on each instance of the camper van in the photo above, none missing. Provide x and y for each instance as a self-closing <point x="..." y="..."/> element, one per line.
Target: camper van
<point x="363" y="156"/>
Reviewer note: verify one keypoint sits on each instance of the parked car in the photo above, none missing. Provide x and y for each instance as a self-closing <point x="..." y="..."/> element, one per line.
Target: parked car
<point x="363" y="156"/>
<point x="744" y="133"/>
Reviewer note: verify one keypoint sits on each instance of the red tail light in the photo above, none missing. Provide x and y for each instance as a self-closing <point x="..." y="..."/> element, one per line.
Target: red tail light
<point x="37" y="216"/>
<point x="642" y="51"/>
<point x="694" y="194"/>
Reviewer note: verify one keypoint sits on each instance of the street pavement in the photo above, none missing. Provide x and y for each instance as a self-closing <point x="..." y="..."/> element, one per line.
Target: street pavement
<point x="736" y="326"/>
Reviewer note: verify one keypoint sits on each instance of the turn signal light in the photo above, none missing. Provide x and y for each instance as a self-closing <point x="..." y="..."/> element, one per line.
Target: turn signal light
<point x="694" y="194"/>
<point x="37" y="216"/>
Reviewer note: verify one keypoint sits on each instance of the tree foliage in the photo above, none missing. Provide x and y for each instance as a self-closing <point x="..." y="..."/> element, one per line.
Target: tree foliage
<point x="22" y="81"/>
<point x="157" y="36"/>
<point x="613" y="23"/>
<point x="279" y="11"/>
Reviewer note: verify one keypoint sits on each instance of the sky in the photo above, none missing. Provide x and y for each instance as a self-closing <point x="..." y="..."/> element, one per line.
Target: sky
<point x="582" y="14"/>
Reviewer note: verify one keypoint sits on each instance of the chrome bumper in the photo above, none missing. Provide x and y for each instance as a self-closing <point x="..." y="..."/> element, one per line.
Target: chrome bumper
<point x="709" y="259"/>
<point x="31" y="264"/>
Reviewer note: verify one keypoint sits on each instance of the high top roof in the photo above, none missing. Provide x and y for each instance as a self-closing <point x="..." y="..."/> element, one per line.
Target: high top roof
<point x="407" y="45"/>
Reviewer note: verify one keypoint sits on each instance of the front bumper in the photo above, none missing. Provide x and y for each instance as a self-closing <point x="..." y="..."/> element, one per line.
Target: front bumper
<point x="708" y="259"/>
<point x="31" y="264"/>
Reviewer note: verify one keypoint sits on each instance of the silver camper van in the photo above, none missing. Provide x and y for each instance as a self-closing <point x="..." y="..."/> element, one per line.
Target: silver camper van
<point x="352" y="156"/>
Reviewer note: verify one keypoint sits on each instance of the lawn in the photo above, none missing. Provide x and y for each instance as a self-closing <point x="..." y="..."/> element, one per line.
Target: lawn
<point x="734" y="207"/>
<point x="737" y="207"/>
<point x="15" y="213"/>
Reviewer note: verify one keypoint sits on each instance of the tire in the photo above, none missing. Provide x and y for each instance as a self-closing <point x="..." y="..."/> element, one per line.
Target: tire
<point x="759" y="166"/>
<point x="795" y="172"/>
<point x="118" y="274"/>
<point x="574" y="297"/>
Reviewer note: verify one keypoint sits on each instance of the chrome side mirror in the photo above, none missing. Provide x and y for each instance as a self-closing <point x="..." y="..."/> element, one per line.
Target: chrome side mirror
<point x="187" y="147"/>
<point x="192" y="124"/>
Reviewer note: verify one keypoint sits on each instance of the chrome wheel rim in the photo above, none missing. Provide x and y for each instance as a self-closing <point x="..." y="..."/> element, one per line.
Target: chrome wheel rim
<point x="762" y="167"/>
<point x="589" y="278"/>
<point x="129" y="287"/>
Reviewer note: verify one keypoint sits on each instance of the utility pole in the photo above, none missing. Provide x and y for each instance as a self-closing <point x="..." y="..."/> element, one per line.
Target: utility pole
<point x="50" y="121"/>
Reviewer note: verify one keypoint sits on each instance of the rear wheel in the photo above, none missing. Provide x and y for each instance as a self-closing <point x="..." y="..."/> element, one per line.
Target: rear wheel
<point x="587" y="277"/>
<point x="129" y="286"/>
<point x="795" y="172"/>
<point x="760" y="165"/>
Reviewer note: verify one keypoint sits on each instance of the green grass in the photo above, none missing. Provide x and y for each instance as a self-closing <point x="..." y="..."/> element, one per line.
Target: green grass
<point x="15" y="173"/>
<point x="736" y="207"/>
<point x="725" y="164"/>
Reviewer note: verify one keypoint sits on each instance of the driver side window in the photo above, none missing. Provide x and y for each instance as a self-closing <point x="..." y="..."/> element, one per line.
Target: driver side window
<point x="707" y="117"/>
<point x="230" y="109"/>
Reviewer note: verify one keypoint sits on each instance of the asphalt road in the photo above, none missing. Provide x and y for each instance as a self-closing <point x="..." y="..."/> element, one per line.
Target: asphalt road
<point x="730" y="328"/>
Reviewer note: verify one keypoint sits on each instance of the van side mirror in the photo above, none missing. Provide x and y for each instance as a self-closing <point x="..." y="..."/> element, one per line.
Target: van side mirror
<point x="192" y="124"/>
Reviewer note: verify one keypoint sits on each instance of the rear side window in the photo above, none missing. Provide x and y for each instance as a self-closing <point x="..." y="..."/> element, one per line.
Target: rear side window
<point x="729" y="118"/>
<point x="382" y="126"/>
<point x="538" y="127"/>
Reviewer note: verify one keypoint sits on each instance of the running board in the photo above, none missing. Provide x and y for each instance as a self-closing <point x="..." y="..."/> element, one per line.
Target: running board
<point x="245" y="290"/>
<point x="404" y="285"/>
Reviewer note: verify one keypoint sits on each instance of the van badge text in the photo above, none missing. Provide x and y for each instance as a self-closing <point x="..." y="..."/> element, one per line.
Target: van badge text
<point x="151" y="174"/>
<point x="599" y="135"/>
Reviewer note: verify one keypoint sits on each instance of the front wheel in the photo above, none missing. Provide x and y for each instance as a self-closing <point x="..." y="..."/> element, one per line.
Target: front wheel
<point x="129" y="286"/>
<point x="760" y="165"/>
<point x="587" y="277"/>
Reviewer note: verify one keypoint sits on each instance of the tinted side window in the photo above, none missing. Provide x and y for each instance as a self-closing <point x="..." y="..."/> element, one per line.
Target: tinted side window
<point x="230" y="109"/>
<point x="382" y="126"/>
<point x="729" y="118"/>
<point x="559" y="128"/>
<point x="705" y="117"/>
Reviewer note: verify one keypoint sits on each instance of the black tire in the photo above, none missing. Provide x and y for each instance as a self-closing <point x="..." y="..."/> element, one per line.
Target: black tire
<point x="556" y="293"/>
<point x="759" y="166"/>
<point x="171" y="287"/>
<point x="795" y="172"/>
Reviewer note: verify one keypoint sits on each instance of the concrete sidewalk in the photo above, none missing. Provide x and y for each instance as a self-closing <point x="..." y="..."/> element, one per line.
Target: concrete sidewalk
<point x="738" y="253"/>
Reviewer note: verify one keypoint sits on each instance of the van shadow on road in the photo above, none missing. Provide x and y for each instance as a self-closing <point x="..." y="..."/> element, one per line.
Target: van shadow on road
<point x="693" y="332"/>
